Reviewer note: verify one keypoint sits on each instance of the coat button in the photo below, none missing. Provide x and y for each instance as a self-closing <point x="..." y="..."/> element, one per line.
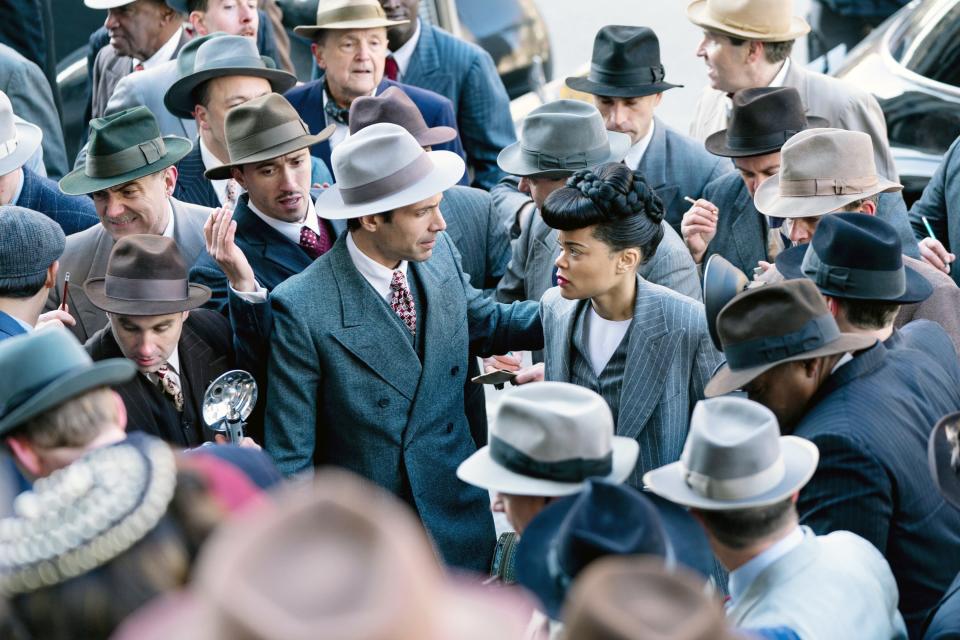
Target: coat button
<point x="454" y="371"/>
<point x="383" y="402"/>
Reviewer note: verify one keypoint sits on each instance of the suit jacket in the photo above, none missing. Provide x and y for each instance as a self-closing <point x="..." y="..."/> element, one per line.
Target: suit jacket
<point x="72" y="213"/>
<point x="842" y="104"/>
<point x="474" y="225"/>
<point x="940" y="205"/>
<point x="942" y="307"/>
<point x="32" y="100"/>
<point x="872" y="476"/>
<point x="147" y="88"/>
<point x="9" y="327"/>
<point x="670" y="359"/>
<point x="944" y="620"/>
<point x="86" y="257"/>
<point x="347" y="386"/>
<point x="741" y="234"/>
<point x="466" y="75"/>
<point x="192" y="185"/>
<point x="830" y="586"/>
<point x="307" y="99"/>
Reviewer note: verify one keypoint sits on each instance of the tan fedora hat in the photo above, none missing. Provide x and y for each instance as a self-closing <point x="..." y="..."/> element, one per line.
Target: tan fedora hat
<point x="764" y="20"/>
<point x="821" y="170"/>
<point x="347" y="14"/>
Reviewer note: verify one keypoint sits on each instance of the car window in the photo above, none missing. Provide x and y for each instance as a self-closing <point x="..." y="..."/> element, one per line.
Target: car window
<point x="929" y="42"/>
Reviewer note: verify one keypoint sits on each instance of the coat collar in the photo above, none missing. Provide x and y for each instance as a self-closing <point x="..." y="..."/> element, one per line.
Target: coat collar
<point x="266" y="240"/>
<point x="9" y="325"/>
<point x="426" y="56"/>
<point x="863" y="363"/>
<point x="653" y="165"/>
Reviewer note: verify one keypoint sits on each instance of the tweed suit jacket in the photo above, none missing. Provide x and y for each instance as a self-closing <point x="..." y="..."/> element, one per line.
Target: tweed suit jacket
<point x="474" y="225"/>
<point x="192" y="185"/>
<point x="86" y="257"/>
<point x="741" y="234"/>
<point x="942" y="307"/>
<point x="348" y="388"/>
<point x="147" y="88"/>
<point x="940" y="205"/>
<point x="670" y="359"/>
<point x="466" y="75"/>
<point x="9" y="327"/>
<point x="830" y="587"/>
<point x="842" y="104"/>
<point x="872" y="477"/>
<point x="72" y="213"/>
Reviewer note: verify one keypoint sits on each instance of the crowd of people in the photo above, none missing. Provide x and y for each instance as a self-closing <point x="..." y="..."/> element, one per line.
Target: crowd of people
<point x="733" y="353"/>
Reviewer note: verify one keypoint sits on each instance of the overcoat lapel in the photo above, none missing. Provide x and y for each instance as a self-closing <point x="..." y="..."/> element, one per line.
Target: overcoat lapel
<point x="90" y="318"/>
<point x="747" y="227"/>
<point x="654" y="168"/>
<point x="267" y="241"/>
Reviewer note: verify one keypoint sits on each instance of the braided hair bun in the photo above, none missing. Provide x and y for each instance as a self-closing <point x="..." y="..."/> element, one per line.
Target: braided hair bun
<point x="619" y="193"/>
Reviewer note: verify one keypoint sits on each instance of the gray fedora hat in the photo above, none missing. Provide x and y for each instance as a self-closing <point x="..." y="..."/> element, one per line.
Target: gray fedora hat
<point x="43" y="369"/>
<point x="821" y="170"/>
<point x="548" y="439"/>
<point x="18" y="139"/>
<point x="562" y="136"/>
<point x="734" y="458"/>
<point x="218" y="58"/>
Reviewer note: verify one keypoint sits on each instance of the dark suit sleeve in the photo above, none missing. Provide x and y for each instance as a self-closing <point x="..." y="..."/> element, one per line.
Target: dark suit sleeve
<point x="932" y="205"/>
<point x="892" y="209"/>
<point x="485" y="122"/>
<point x="849" y="491"/>
<point x="206" y="272"/>
<point x="444" y="116"/>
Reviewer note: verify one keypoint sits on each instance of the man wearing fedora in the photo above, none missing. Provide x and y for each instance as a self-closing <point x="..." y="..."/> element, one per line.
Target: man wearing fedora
<point x="815" y="165"/>
<point x="724" y="221"/>
<point x="428" y="57"/>
<point x="944" y="457"/>
<point x="350" y="47"/>
<point x="868" y="410"/>
<point x="370" y="343"/>
<point x="627" y="82"/>
<point x="155" y="323"/>
<point x="227" y="72"/>
<point x="129" y="173"/>
<point x="747" y="44"/>
<point x="741" y="478"/>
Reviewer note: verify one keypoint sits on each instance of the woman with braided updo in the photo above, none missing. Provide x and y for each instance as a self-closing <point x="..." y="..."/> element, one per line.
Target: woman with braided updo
<point x="641" y="346"/>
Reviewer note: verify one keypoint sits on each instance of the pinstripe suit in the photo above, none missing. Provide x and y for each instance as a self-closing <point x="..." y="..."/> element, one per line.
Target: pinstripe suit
<point x="940" y="205"/>
<point x="192" y="186"/>
<point x="669" y="360"/>
<point x="474" y="225"/>
<point x="871" y="420"/>
<point x="741" y="234"/>
<point x="72" y="213"/>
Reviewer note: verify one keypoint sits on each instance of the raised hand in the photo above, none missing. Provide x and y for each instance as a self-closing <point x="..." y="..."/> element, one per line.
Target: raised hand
<point x="218" y="232"/>
<point x="698" y="227"/>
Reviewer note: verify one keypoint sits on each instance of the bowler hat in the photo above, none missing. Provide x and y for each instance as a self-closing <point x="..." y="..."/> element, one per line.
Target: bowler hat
<point x="734" y="458"/>
<point x="262" y="129"/>
<point x="562" y="136"/>
<point x="858" y="257"/>
<point x="721" y="283"/>
<point x="394" y="105"/>
<point x="625" y="64"/>
<point x="943" y="453"/>
<point x="773" y="324"/>
<point x="146" y="276"/>
<point x="821" y="170"/>
<point x="218" y="58"/>
<point x="122" y="147"/>
<point x="18" y="139"/>
<point x="762" y="120"/>
<point x="347" y="14"/>
<point x="44" y="369"/>
<point x="29" y="242"/>
<point x="763" y="20"/>
<point x="548" y="439"/>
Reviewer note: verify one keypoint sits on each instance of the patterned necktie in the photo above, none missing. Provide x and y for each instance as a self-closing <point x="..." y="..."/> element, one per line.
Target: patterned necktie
<point x="401" y="301"/>
<point x="138" y="67"/>
<point x="313" y="243"/>
<point x="335" y="112"/>
<point x="232" y="193"/>
<point x="390" y="68"/>
<point x="170" y="385"/>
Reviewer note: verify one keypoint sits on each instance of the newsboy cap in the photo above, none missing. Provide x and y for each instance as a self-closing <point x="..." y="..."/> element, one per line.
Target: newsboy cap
<point x="29" y="242"/>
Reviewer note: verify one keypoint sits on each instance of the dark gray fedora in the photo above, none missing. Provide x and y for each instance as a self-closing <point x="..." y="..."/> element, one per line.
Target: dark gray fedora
<point x="218" y="58"/>
<point x="562" y="136"/>
<point x="394" y="105"/>
<point x="43" y="369"/>
<point x="625" y="64"/>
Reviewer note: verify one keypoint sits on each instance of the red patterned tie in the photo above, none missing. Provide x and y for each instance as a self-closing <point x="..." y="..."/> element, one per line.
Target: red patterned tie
<point x="315" y="244"/>
<point x="138" y="67"/>
<point x="401" y="301"/>
<point x="390" y="68"/>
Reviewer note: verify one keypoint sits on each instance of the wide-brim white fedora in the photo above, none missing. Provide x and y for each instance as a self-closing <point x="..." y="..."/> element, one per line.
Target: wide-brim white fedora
<point x="19" y="139"/>
<point x="381" y="168"/>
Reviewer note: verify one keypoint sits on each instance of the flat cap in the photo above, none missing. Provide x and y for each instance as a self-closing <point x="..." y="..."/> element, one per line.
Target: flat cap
<point x="29" y="242"/>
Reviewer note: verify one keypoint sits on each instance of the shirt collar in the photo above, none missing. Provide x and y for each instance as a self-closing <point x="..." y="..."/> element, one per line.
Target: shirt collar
<point x="635" y="153"/>
<point x="342" y="131"/>
<point x="171" y="222"/>
<point x="372" y="271"/>
<point x="209" y="161"/>
<point x="173" y="362"/>
<point x="404" y="53"/>
<point x="290" y="230"/>
<point x="745" y="575"/>
<point x="25" y="325"/>
<point x="781" y="76"/>
<point x="16" y="194"/>
<point x="163" y="54"/>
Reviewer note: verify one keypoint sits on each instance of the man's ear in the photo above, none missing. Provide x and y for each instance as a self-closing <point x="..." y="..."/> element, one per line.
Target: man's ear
<point x="868" y="207"/>
<point x="832" y="305"/>
<point x="51" y="280"/>
<point x="369" y="223"/>
<point x="121" y="411"/>
<point x="200" y="115"/>
<point x="237" y="174"/>
<point x="25" y="455"/>
<point x="196" y="21"/>
<point x="754" y="51"/>
<point x="318" y="55"/>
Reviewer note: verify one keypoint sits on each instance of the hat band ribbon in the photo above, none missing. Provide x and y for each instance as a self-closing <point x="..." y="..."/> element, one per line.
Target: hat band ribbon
<point x="8" y="146"/>
<point x="264" y="139"/>
<point x="633" y="76"/>
<point x="777" y="138"/>
<point x="241" y="62"/>
<point x="865" y="283"/>
<point x="126" y="160"/>
<point x="569" y="470"/>
<point x="814" y="334"/>
<point x="147" y="290"/>
<point x="740" y="488"/>
<point x="572" y="162"/>
<point x="827" y="186"/>
<point x="389" y="185"/>
<point x="349" y="13"/>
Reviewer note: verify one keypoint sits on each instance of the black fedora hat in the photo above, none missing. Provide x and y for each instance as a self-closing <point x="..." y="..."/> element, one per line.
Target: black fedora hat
<point x="721" y="283"/>
<point x="602" y="520"/>
<point x="856" y="256"/>
<point x="762" y="120"/>
<point x="625" y="64"/>
<point x="944" y="457"/>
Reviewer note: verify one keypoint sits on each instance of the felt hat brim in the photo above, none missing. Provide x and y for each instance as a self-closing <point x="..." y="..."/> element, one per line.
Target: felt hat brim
<point x="482" y="471"/>
<point x="433" y="136"/>
<point x="586" y="85"/>
<point x="222" y="172"/>
<point x="78" y="183"/>
<point x="716" y="143"/>
<point x="308" y="30"/>
<point x="800" y="457"/>
<point x="511" y="158"/>
<point x="197" y="295"/>
<point x="106" y="4"/>
<point x="105" y="373"/>
<point x="29" y="138"/>
<point x="790" y="263"/>
<point x="179" y="99"/>
<point x="769" y="201"/>
<point x="699" y="15"/>
<point x="939" y="454"/>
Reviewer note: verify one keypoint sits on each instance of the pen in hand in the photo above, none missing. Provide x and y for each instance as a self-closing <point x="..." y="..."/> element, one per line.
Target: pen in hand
<point x="66" y="288"/>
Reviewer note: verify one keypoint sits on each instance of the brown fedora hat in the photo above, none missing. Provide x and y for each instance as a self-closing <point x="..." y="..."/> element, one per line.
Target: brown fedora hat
<point x="146" y="276"/>
<point x="773" y="324"/>
<point x="394" y="105"/>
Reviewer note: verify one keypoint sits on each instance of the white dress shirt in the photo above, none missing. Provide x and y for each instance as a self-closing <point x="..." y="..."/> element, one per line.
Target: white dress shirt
<point x="171" y="222"/>
<point x="290" y="230"/>
<point x="403" y="54"/>
<point x="16" y="194"/>
<point x="742" y="577"/>
<point x="603" y="338"/>
<point x="210" y="161"/>
<point x="635" y="153"/>
<point x="372" y="271"/>
<point x="163" y="54"/>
